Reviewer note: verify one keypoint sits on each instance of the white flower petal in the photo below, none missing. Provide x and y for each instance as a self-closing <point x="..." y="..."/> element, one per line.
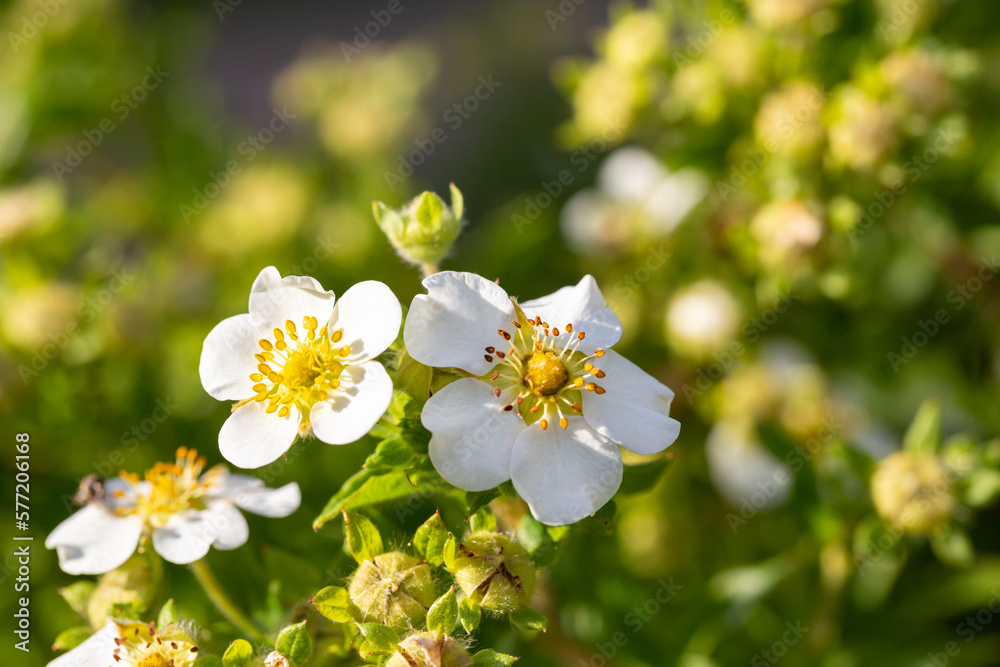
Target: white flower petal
<point x="363" y="397"/>
<point x="230" y="526"/>
<point x="743" y="470"/>
<point x="274" y="299"/>
<point x="634" y="411"/>
<point x="583" y="306"/>
<point x="565" y="474"/>
<point x="227" y="359"/>
<point x="370" y="315"/>
<point x="252" y="438"/>
<point x="457" y="318"/>
<point x="97" y="649"/>
<point x="250" y="494"/>
<point x="630" y="174"/>
<point x="187" y="536"/>
<point x="94" y="540"/>
<point x="673" y="198"/>
<point x="472" y="437"/>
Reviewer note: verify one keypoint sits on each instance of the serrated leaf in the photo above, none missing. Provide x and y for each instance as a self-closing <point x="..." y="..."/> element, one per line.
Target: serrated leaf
<point x="479" y="499"/>
<point x="77" y="595"/>
<point x="442" y="617"/>
<point x="430" y="538"/>
<point x="388" y="454"/>
<point x="490" y="658"/>
<point x="924" y="432"/>
<point x="370" y="488"/>
<point x="72" y="637"/>
<point x="469" y="614"/>
<point x="294" y="643"/>
<point x="239" y="653"/>
<point x="168" y="614"/>
<point x="483" y="519"/>
<point x="642" y="478"/>
<point x="363" y="539"/>
<point x="526" y="618"/>
<point x="334" y="603"/>
<point x="381" y="638"/>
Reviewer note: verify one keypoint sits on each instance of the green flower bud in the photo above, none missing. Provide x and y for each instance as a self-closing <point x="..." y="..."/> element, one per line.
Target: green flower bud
<point x="423" y="231"/>
<point x="494" y="570"/>
<point x="425" y="649"/>
<point x="393" y="589"/>
<point x="130" y="584"/>
<point x="912" y="491"/>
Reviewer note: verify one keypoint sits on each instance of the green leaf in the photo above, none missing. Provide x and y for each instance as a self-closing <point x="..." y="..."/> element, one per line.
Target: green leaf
<point x="490" y="658"/>
<point x="450" y="552"/>
<point x="335" y="603"/>
<point x="529" y="619"/>
<point x="294" y="643"/>
<point x="982" y="487"/>
<point x="469" y="613"/>
<point x="412" y="430"/>
<point x="953" y="546"/>
<point x="239" y="653"/>
<point x="363" y="539"/>
<point x="414" y="378"/>
<point x="368" y="488"/>
<point x="380" y="638"/>
<point x="642" y="478"/>
<point x="429" y="210"/>
<point x="127" y="611"/>
<point x="457" y="201"/>
<point x="208" y="661"/>
<point x="442" y="617"/>
<point x="71" y="638"/>
<point x="430" y="539"/>
<point x="924" y="433"/>
<point x="168" y="614"/>
<point x="479" y="499"/>
<point x="483" y="519"/>
<point x="77" y="595"/>
<point x="388" y="454"/>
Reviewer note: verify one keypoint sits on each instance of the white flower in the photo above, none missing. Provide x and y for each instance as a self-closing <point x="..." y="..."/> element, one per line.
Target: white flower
<point x="636" y="197"/>
<point x="131" y="645"/>
<point x="300" y="363"/>
<point x="702" y="318"/>
<point x="743" y="471"/>
<point x="183" y="511"/>
<point x="538" y="411"/>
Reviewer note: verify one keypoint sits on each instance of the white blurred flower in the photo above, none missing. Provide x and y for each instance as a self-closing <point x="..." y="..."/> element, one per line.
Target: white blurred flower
<point x="742" y="470"/>
<point x="183" y="511"/>
<point x="636" y="197"/>
<point x="321" y="379"/>
<point x="784" y="231"/>
<point x="538" y="409"/>
<point x="702" y="318"/>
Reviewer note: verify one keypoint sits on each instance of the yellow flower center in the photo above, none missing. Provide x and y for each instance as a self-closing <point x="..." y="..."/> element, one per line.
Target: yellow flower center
<point x="298" y="369"/>
<point x="140" y="645"/>
<point x="170" y="488"/>
<point x="542" y="373"/>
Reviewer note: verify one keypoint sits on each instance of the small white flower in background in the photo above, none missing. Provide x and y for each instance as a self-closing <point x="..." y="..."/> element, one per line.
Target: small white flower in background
<point x="300" y="363"/>
<point x="132" y="645"/>
<point x="743" y="471"/>
<point x="183" y="511"/>
<point x="636" y="196"/>
<point x="550" y="401"/>
<point x="702" y="318"/>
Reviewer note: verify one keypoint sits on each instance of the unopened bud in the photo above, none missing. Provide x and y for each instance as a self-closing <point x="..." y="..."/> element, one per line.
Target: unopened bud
<point x="425" y="649"/>
<point x="495" y="571"/>
<point x="129" y="584"/>
<point x="423" y="231"/>
<point x="394" y="589"/>
<point x="912" y="491"/>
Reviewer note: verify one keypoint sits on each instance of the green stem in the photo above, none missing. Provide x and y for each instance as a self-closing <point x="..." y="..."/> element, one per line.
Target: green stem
<point x="224" y="604"/>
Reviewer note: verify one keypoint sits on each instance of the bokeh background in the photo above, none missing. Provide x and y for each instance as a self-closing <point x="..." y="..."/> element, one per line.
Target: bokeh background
<point x="791" y="204"/>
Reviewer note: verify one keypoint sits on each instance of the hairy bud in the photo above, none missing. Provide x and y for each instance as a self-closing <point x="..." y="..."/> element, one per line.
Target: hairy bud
<point x="425" y="649"/>
<point x="393" y="589"/>
<point x="494" y="570"/>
